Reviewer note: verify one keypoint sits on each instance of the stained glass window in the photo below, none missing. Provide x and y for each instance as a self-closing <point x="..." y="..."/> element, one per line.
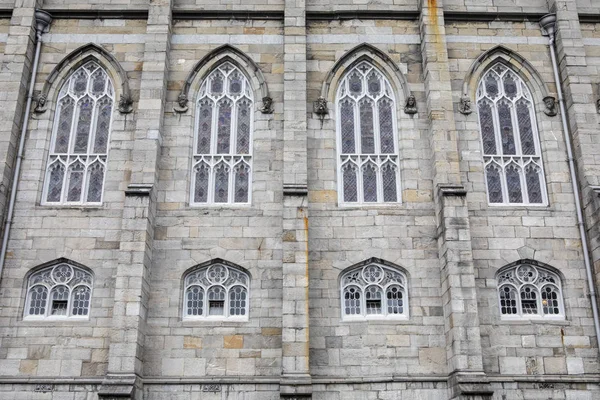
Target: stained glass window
<point x="222" y="169"/>
<point x="529" y="291"/>
<point x="218" y="290"/>
<point x="510" y="142"/>
<point x="374" y="290"/>
<point x="59" y="291"/>
<point x="367" y="141"/>
<point x="79" y="150"/>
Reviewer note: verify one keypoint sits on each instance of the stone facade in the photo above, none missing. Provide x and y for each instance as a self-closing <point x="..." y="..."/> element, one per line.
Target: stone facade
<point x="295" y="240"/>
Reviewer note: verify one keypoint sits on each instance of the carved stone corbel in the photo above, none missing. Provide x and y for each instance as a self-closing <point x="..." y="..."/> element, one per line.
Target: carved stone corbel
<point x="182" y="101"/>
<point x="550" y="106"/>
<point x="320" y="107"/>
<point x="267" y="105"/>
<point x="465" y="107"/>
<point x="125" y="103"/>
<point x="40" y="100"/>
<point x="411" y="105"/>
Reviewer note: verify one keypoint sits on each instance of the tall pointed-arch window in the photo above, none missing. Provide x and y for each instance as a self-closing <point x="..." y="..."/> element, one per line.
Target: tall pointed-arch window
<point x="222" y="164"/>
<point x="514" y="172"/>
<point x="58" y="292"/>
<point x="80" y="139"/>
<point x="367" y="143"/>
<point x="528" y="291"/>
<point x="216" y="291"/>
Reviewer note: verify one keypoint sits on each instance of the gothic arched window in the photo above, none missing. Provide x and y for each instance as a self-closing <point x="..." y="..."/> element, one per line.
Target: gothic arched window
<point x="80" y="138"/>
<point x="368" y="162"/>
<point x="217" y="291"/>
<point x="514" y="173"/>
<point x="222" y="165"/>
<point x="59" y="291"/>
<point x="374" y="291"/>
<point x="529" y="291"/>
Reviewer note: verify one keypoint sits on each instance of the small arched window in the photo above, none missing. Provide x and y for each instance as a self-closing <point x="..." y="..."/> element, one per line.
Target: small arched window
<point x="374" y="291"/>
<point x="222" y="164"/>
<point x="529" y="291"/>
<point x="217" y="291"/>
<point x="368" y="162"/>
<point x="514" y="172"/>
<point x="80" y="139"/>
<point x="60" y="291"/>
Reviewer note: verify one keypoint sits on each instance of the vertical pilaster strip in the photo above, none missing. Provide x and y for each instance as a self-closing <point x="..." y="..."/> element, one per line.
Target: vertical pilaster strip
<point x="131" y="286"/>
<point x="578" y="92"/>
<point x="463" y="338"/>
<point x="14" y="80"/>
<point x="295" y="335"/>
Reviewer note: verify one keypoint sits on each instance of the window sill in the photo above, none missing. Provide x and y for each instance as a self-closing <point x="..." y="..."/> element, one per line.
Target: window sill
<point x="540" y="320"/>
<point x="53" y="320"/>
<point x="378" y="319"/>
<point x="213" y="322"/>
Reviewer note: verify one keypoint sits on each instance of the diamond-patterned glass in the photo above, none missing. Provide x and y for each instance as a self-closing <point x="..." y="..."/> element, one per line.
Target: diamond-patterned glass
<point x="221" y="183"/>
<point x="75" y="182"/>
<point x="216" y="84"/>
<point x="55" y="184"/>
<point x="243" y="127"/>
<point x="525" y="128"/>
<point x="204" y="126"/>
<point x="65" y="120"/>
<point x="389" y="183"/>
<point x="80" y="81"/>
<point x="355" y="84"/>
<point x="386" y="126"/>
<point x="84" y="123"/>
<point x="224" y="128"/>
<point x="235" y="83"/>
<point x="506" y="129"/>
<point x="513" y="184"/>
<point x="486" y="122"/>
<point x="494" y="184"/>
<point x="347" y="126"/>
<point x="350" y="184"/>
<point x="98" y="83"/>
<point x="367" y="135"/>
<point x="95" y="183"/>
<point x="491" y="85"/>
<point x="374" y="84"/>
<point x="102" y="125"/>
<point x="510" y="86"/>
<point x="369" y="183"/>
<point x="534" y="190"/>
<point x="242" y="173"/>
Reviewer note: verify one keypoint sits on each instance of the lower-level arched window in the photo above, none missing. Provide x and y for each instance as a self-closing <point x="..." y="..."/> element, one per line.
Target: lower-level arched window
<point x="59" y="291"/>
<point x="529" y="291"/>
<point x="374" y="290"/>
<point x="216" y="291"/>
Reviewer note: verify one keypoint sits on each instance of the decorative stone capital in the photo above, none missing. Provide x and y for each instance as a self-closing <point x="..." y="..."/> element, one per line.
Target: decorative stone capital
<point x="550" y="106"/>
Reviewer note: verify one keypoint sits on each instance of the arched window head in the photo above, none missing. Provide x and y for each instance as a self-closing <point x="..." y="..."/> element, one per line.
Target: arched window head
<point x="217" y="291"/>
<point x="80" y="139"/>
<point x="222" y="165"/>
<point x="60" y="291"/>
<point x="368" y="162"/>
<point x="527" y="291"/>
<point x="374" y="290"/>
<point x="511" y="149"/>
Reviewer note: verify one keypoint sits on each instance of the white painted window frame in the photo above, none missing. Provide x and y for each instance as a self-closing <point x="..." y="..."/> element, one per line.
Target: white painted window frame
<point x="51" y="286"/>
<point x="378" y="158"/>
<point x="519" y="284"/>
<point x="403" y="284"/>
<point x="87" y="159"/>
<point x="206" y="287"/>
<point x="213" y="159"/>
<point x="521" y="160"/>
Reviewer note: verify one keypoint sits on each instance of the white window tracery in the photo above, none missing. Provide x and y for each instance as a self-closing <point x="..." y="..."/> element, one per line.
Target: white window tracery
<point x="80" y="139"/>
<point x="527" y="291"/>
<point x="60" y="291"/>
<point x="374" y="291"/>
<point x="514" y="171"/>
<point x="368" y="161"/>
<point x="217" y="291"/>
<point x="222" y="161"/>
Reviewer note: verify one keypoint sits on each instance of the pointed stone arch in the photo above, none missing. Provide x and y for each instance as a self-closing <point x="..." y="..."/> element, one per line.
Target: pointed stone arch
<point x="530" y="261"/>
<point x="375" y="260"/>
<point x="215" y="58"/>
<point x="57" y="261"/>
<point x="515" y="62"/>
<point x="364" y="51"/>
<point x="73" y="61"/>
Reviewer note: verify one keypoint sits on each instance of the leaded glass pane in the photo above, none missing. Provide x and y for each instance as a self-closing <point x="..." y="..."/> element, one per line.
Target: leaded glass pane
<point x="194" y="301"/>
<point x="102" y="125"/>
<point x="216" y="87"/>
<point x="373" y="295"/>
<point x="529" y="302"/>
<point x="494" y="185"/>
<point x="84" y="122"/>
<point x="374" y="84"/>
<point x="95" y="183"/>
<point x="486" y="122"/>
<point x="235" y="83"/>
<point x="242" y="172"/>
<point x="79" y="80"/>
<point x="63" y="130"/>
<point x="386" y="127"/>
<point x="513" y="184"/>
<point x="216" y="300"/>
<point x="81" y="300"/>
<point x="38" y="297"/>
<point x="550" y="302"/>
<point x="395" y="300"/>
<point x="352" y="301"/>
<point x="243" y="127"/>
<point x="525" y="128"/>
<point x="390" y="189"/>
<point x="98" y="83"/>
<point x="367" y="135"/>
<point x="201" y="183"/>
<point x="506" y="129"/>
<point x="204" y="126"/>
<point x="369" y="183"/>
<point x="237" y="300"/>
<point x="350" y="184"/>
<point x="75" y="182"/>
<point x="347" y="126"/>
<point x="491" y="85"/>
<point x="59" y="300"/>
<point x="355" y="84"/>
<point x="510" y="86"/>
<point x="534" y="190"/>
<point x="224" y="127"/>
<point x="508" y="300"/>
<point x="221" y="183"/>
<point x="55" y="183"/>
